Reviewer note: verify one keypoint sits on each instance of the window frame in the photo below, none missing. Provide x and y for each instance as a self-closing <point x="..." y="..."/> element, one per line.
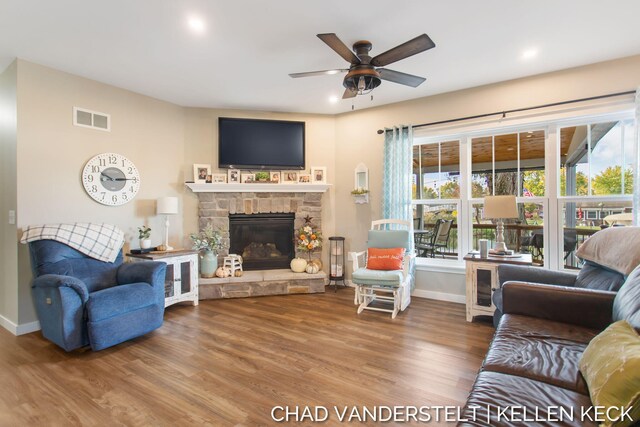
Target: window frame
<point x="552" y="201"/>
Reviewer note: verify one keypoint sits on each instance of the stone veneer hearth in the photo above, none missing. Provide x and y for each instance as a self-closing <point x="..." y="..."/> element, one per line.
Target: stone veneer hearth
<point x="215" y="207"/>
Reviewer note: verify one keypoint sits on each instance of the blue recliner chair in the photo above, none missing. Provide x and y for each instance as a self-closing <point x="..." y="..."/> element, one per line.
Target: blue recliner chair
<point x="83" y="301"/>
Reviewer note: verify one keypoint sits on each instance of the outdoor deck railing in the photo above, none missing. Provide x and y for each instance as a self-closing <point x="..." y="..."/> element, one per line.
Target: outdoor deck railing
<point x="516" y="238"/>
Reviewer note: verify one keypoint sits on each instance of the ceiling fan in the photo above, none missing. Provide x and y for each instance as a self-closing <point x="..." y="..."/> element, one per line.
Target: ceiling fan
<point x="364" y="74"/>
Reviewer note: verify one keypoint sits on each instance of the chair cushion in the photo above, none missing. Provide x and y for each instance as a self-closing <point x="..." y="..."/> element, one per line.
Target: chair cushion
<point x="365" y="276"/>
<point x="611" y="367"/>
<point x="119" y="300"/>
<point x="385" y="259"/>
<point x="51" y="257"/>
<point x="389" y="239"/>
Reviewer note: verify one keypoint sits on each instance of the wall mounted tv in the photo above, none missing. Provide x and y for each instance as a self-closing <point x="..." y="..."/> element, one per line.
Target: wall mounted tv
<point x="260" y="144"/>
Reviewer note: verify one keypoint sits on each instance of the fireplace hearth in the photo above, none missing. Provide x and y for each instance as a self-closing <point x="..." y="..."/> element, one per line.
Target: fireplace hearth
<point x="264" y="240"/>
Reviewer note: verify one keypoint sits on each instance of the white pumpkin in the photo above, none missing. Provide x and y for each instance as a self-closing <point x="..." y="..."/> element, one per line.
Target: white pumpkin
<point x="222" y="272"/>
<point x="312" y="268"/>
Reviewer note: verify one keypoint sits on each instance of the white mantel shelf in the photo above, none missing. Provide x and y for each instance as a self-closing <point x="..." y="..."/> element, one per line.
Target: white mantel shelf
<point x="258" y="188"/>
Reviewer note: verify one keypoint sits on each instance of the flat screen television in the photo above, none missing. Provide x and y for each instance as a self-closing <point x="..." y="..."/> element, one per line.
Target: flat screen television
<point x="260" y="144"/>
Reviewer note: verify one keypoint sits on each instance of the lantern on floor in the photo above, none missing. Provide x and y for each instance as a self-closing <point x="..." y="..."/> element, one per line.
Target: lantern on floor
<point x="336" y="261"/>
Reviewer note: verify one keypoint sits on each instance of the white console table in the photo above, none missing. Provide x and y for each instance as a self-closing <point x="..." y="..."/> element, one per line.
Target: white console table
<point x="181" y="282"/>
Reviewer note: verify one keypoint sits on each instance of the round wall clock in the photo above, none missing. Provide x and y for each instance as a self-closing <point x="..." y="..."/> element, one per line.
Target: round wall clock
<point x="111" y="179"/>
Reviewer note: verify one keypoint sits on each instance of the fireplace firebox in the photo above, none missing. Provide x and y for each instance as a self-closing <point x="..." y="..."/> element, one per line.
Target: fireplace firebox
<point x="265" y="241"/>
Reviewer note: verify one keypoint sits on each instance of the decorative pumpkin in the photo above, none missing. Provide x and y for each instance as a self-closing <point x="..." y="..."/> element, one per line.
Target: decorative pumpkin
<point x="238" y="273"/>
<point x="312" y="268"/>
<point x="298" y="265"/>
<point x="223" y="272"/>
<point x="317" y="262"/>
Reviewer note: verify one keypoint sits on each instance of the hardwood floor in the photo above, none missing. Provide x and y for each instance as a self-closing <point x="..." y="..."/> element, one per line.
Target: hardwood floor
<point x="229" y="362"/>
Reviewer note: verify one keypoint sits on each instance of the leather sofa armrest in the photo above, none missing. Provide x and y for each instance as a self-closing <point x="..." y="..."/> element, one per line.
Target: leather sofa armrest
<point x="151" y="272"/>
<point x="519" y="273"/>
<point x="59" y="280"/>
<point x="576" y="306"/>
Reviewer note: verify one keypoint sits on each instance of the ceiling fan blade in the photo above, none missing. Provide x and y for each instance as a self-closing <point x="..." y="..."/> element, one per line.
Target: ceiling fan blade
<point x="402" y="78"/>
<point x="348" y="93"/>
<point x="339" y="47"/>
<point x="318" y="73"/>
<point x="405" y="50"/>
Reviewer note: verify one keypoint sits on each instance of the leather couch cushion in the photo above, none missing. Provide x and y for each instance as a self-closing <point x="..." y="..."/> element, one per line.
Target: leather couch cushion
<point x="517" y="325"/>
<point x="502" y="390"/>
<point x="119" y="300"/>
<point x="611" y="367"/>
<point x="538" y="356"/>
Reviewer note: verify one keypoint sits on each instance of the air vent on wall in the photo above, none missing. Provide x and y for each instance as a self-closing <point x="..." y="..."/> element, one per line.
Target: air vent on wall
<point x="91" y="119"/>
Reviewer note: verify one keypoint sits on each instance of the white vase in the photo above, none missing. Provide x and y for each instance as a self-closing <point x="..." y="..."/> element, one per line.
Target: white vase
<point x="145" y="243"/>
<point x="298" y="265"/>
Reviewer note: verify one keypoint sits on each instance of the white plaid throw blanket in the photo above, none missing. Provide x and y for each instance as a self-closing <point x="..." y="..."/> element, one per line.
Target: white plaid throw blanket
<point x="99" y="241"/>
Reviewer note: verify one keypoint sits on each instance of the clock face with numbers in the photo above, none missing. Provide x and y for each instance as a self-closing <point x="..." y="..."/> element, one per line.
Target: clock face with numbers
<point x="111" y="179"/>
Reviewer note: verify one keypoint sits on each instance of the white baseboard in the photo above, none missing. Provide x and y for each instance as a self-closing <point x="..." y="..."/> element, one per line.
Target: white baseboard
<point x="16" y="329"/>
<point x="439" y="296"/>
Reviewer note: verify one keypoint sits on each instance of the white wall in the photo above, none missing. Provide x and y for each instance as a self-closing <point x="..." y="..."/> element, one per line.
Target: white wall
<point x="52" y="152"/>
<point x="8" y="198"/>
<point x="357" y="140"/>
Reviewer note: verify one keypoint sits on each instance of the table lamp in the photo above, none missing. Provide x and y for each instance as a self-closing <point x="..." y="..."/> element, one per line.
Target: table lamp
<point x="167" y="206"/>
<point x="500" y="207"/>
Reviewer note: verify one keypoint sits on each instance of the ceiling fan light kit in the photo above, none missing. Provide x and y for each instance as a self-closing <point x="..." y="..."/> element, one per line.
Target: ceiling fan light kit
<point x="363" y="76"/>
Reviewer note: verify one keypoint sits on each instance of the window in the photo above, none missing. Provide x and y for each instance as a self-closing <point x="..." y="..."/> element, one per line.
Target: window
<point x="436" y="194"/>
<point x="593" y="176"/>
<point x="508" y="164"/>
<point x="597" y="159"/>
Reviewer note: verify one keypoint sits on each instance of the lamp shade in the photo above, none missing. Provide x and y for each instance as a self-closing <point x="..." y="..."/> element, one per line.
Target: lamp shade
<point x="500" y="207"/>
<point x="167" y="206"/>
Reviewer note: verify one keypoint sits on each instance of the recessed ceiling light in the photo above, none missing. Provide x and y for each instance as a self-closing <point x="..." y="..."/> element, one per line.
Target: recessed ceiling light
<point x="196" y="24"/>
<point x="529" y="53"/>
<point x="333" y="99"/>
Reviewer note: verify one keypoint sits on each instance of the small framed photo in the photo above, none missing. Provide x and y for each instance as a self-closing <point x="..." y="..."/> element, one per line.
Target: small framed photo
<point x="247" y="178"/>
<point x="209" y="179"/>
<point x="274" y="177"/>
<point x="319" y="174"/>
<point x="289" y="177"/>
<point x="304" y="178"/>
<point x="200" y="173"/>
<point x="233" y="176"/>
<point x="219" y="178"/>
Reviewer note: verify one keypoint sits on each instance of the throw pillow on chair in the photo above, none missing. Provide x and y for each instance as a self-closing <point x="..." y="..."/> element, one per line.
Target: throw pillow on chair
<point x="385" y="259"/>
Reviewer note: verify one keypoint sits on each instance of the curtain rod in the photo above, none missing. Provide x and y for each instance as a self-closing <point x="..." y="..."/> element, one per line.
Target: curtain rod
<point x="518" y="110"/>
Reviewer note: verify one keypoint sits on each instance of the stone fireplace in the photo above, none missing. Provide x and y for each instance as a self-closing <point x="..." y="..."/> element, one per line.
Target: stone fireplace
<point x="225" y="209"/>
<point x="264" y="240"/>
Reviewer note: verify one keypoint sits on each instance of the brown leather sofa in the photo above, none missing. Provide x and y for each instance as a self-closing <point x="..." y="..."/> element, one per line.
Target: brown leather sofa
<point x="531" y="368"/>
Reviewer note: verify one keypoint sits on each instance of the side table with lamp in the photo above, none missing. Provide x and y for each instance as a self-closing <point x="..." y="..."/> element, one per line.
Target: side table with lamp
<point x="482" y="269"/>
<point x="167" y="206"/>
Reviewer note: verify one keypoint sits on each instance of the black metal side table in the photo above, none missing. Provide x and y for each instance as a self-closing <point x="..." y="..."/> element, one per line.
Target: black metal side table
<point x="336" y="261"/>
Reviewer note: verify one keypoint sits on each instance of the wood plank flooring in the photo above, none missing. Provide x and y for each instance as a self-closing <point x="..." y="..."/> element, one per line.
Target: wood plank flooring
<point x="229" y="362"/>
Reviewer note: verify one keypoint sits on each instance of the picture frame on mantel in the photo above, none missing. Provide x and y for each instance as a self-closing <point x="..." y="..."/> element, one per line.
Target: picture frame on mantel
<point x="275" y="177"/>
<point x="304" y="178"/>
<point x="289" y="177"/>
<point x="200" y="173"/>
<point x="219" y="178"/>
<point x="318" y="175"/>
<point x="247" y="178"/>
<point x="233" y="176"/>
